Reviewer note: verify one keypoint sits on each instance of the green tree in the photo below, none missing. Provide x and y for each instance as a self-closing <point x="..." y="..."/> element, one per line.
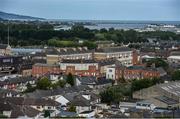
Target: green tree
<point x="72" y="108"/>
<point x="176" y="75"/>
<point x="89" y="45"/>
<point x="44" y="83"/>
<point x="158" y="63"/>
<point x="61" y="83"/>
<point x="143" y="83"/>
<point x="70" y="79"/>
<point x="46" y="113"/>
<point x="29" y="88"/>
<point x="115" y="94"/>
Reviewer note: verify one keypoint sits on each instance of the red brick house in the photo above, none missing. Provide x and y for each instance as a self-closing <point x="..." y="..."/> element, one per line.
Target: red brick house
<point x="133" y="72"/>
<point x="80" y="67"/>
<point x="39" y="70"/>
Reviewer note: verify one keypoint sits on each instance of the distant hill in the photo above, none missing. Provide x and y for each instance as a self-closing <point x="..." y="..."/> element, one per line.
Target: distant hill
<point x="10" y="16"/>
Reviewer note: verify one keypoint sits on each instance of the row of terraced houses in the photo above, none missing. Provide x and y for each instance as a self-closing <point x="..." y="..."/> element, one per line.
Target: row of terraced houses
<point x="84" y="62"/>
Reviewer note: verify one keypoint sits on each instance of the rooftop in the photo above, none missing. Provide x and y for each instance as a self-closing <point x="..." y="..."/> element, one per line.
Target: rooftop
<point x="141" y="68"/>
<point x="67" y="51"/>
<point x="78" y="61"/>
<point x="171" y="87"/>
<point x="174" y="57"/>
<point x="3" y="46"/>
<point x="167" y="100"/>
<point x="114" y="49"/>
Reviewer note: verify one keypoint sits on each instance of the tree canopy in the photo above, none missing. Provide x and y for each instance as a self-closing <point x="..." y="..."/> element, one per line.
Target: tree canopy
<point x="176" y="75"/>
<point x="70" y="79"/>
<point x="24" y="34"/>
<point x="143" y="83"/>
<point x="43" y="84"/>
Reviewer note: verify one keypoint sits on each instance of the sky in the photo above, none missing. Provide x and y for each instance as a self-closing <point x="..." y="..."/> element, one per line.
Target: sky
<point x="154" y="10"/>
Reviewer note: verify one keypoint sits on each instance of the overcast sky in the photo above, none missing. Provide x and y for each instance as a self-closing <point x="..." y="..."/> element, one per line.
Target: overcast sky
<point x="166" y="10"/>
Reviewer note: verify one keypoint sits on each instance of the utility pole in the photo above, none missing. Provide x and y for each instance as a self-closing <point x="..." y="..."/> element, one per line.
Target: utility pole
<point x="8" y="32"/>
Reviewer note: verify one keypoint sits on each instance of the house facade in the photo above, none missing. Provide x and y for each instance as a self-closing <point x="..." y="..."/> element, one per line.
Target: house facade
<point x="39" y="69"/>
<point x="80" y="67"/>
<point x="5" y="49"/>
<point x="123" y="54"/>
<point x="133" y="72"/>
<point x="56" y="55"/>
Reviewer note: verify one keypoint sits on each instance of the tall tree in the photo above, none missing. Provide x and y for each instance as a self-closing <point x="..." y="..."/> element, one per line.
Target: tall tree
<point x="176" y="75"/>
<point x="44" y="84"/>
<point x="70" y="79"/>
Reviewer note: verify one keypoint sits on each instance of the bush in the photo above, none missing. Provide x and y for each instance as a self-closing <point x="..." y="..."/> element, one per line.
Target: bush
<point x="143" y="83"/>
<point x="70" y="79"/>
<point x="176" y="76"/>
<point x="43" y="84"/>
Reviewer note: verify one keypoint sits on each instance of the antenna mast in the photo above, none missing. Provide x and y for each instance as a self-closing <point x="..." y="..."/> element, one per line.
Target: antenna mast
<point x="8" y="32"/>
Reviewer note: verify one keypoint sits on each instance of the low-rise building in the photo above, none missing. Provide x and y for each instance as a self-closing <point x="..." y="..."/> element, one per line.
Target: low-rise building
<point x="19" y="107"/>
<point x="80" y="67"/>
<point x="5" y="49"/>
<point x="56" y="55"/>
<point x="122" y="54"/>
<point x="93" y="82"/>
<point x="17" y="83"/>
<point x="9" y="64"/>
<point x="174" y="59"/>
<point x="161" y="95"/>
<point x="39" y="69"/>
<point x="132" y="72"/>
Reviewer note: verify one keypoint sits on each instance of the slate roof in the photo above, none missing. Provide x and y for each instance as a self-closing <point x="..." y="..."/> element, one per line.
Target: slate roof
<point x="5" y="107"/>
<point x="161" y="70"/>
<point x="19" y="111"/>
<point x="67" y="51"/>
<point x="141" y="68"/>
<point x="78" y="61"/>
<point x="59" y="91"/>
<point x="167" y="100"/>
<point x="26" y="66"/>
<point x="74" y="51"/>
<point x="79" y="100"/>
<point x="107" y="62"/>
<point x="42" y="61"/>
<point x="85" y="80"/>
<point x="16" y="80"/>
<point x="175" y="53"/>
<point x="113" y="49"/>
<point x="52" y="51"/>
<point x="64" y="113"/>
<point x="3" y="46"/>
<point x="93" y="96"/>
<point x="46" y="65"/>
<point x="29" y="101"/>
<point x="102" y="81"/>
<point x="4" y="92"/>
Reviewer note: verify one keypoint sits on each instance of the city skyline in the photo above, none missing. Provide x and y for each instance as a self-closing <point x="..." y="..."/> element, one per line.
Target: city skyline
<point x="153" y="10"/>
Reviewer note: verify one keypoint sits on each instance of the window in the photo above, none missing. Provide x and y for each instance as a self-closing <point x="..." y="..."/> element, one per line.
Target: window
<point x="110" y="70"/>
<point x="38" y="107"/>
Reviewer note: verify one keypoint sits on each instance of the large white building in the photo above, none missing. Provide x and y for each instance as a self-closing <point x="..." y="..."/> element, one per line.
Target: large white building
<point x="123" y="54"/>
<point x="80" y="67"/>
<point x="174" y="59"/>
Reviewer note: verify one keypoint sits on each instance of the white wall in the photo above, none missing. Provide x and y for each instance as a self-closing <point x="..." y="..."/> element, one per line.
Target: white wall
<point x="79" y="66"/>
<point x="110" y="73"/>
<point x="80" y="109"/>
